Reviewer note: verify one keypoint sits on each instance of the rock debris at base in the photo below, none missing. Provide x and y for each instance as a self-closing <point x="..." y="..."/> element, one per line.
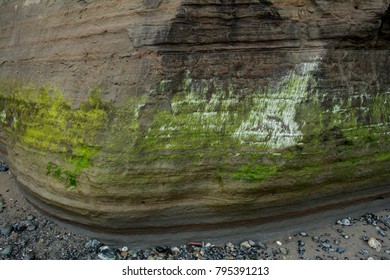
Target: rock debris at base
<point x="26" y="234"/>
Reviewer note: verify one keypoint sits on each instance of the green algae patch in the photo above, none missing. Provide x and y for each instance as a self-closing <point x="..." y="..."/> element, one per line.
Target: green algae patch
<point x="257" y="172"/>
<point x="41" y="120"/>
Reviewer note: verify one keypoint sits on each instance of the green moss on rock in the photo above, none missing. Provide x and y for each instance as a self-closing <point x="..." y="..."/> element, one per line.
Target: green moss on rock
<point x="40" y="119"/>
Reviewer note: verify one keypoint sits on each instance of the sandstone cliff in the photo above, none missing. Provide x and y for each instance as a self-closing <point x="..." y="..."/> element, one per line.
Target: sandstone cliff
<point x="166" y="114"/>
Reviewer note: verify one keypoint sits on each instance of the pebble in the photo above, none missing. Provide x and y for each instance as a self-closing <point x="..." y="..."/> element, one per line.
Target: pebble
<point x="279" y="243"/>
<point x="336" y="242"/>
<point x="30" y="218"/>
<point x="301" y="251"/>
<point x="364" y="252"/>
<point x="340" y="250"/>
<point x="31" y="227"/>
<point x="302" y="233"/>
<point x="230" y="246"/>
<point x="252" y="243"/>
<point x="124" y="249"/>
<point x="106" y="253"/>
<point x="28" y="256"/>
<point x="6" y="230"/>
<point x="245" y="245"/>
<point x="262" y="245"/>
<point x="345" y="222"/>
<point x="6" y="251"/>
<point x="374" y="244"/>
<point x="3" y="167"/>
<point x="283" y="250"/>
<point x="370" y="258"/>
<point x="92" y="243"/>
<point x="175" y="251"/>
<point x="19" y="227"/>
<point x="316" y="239"/>
<point x="387" y="252"/>
<point x="382" y="233"/>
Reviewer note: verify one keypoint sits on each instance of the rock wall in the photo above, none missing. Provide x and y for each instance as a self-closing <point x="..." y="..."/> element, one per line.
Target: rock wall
<point x="158" y="115"/>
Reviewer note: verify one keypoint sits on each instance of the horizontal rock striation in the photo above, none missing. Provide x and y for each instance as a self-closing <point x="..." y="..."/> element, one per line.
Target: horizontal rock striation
<point x="167" y="115"/>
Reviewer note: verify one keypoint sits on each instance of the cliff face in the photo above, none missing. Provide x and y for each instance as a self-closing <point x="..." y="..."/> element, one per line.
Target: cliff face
<point x="140" y="115"/>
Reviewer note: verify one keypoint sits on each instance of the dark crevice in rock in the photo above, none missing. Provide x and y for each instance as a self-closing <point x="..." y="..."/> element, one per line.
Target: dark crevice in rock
<point x="384" y="29"/>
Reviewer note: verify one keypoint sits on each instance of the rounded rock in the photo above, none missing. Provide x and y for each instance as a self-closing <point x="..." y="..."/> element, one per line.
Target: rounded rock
<point x="106" y="253"/>
<point x="124" y="249"/>
<point x="346" y="222"/>
<point x="283" y="250"/>
<point x="175" y="251"/>
<point x="340" y="250"/>
<point x="245" y="245"/>
<point x="6" y="230"/>
<point x="92" y="243"/>
<point x="6" y="251"/>
<point x="31" y="227"/>
<point x="374" y="244"/>
<point x="30" y="218"/>
<point x="279" y="243"/>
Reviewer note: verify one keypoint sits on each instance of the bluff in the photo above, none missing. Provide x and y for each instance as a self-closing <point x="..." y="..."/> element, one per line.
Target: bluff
<point x="153" y="116"/>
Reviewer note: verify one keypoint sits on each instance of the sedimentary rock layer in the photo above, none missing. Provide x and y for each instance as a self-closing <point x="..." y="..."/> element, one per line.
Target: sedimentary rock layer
<point x="168" y="114"/>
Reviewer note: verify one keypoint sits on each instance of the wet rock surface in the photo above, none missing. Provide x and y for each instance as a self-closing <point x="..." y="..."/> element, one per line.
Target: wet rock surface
<point x="26" y="235"/>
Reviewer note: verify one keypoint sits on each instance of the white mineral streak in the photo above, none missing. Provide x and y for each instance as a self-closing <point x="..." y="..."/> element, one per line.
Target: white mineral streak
<point x="32" y="2"/>
<point x="271" y="121"/>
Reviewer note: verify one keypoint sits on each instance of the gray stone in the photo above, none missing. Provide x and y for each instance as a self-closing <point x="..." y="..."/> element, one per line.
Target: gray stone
<point x="251" y="243"/>
<point x="283" y="250"/>
<point x="262" y="245"/>
<point x="31" y="227"/>
<point x="340" y="250"/>
<point x="3" y="167"/>
<point x="364" y="252"/>
<point x="374" y="244"/>
<point x="30" y="218"/>
<point x="382" y="233"/>
<point x="29" y="256"/>
<point x="6" y="251"/>
<point x="302" y="233"/>
<point x="92" y="243"/>
<point x="106" y="253"/>
<point x="6" y="230"/>
<point x="279" y="243"/>
<point x="387" y="252"/>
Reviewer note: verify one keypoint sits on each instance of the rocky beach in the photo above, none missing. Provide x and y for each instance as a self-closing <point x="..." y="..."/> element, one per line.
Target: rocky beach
<point x="27" y="234"/>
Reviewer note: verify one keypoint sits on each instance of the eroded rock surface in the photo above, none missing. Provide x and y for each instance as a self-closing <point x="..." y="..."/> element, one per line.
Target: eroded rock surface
<point x="165" y="115"/>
